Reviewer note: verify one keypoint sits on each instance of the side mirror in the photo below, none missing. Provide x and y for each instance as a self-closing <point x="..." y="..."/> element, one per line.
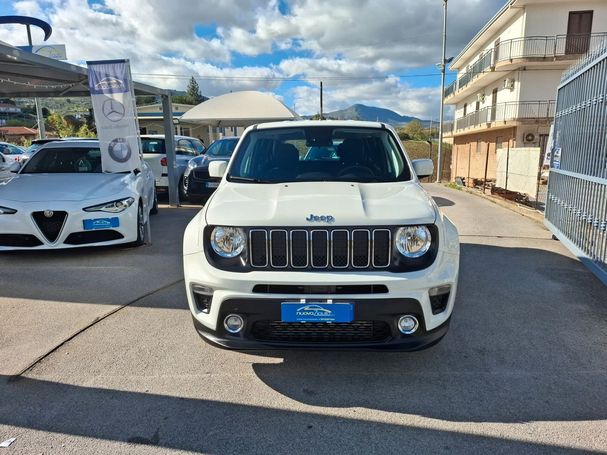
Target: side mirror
<point x="14" y="167"/>
<point x="423" y="168"/>
<point x="217" y="168"/>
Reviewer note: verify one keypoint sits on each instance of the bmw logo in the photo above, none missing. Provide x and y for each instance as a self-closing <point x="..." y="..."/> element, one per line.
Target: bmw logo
<point x="120" y="150"/>
<point x="48" y="213"/>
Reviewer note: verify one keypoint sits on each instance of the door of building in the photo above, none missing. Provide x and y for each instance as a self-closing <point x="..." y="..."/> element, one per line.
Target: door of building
<point x="579" y="28"/>
<point x="493" y="104"/>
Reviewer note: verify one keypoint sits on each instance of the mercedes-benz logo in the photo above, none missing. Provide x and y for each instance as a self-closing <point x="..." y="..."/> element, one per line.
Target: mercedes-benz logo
<point x="113" y="110"/>
<point x="48" y="213"/>
<point x="120" y="150"/>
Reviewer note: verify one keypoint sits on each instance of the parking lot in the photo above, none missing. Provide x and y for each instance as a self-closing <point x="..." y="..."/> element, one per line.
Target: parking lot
<point x="98" y="353"/>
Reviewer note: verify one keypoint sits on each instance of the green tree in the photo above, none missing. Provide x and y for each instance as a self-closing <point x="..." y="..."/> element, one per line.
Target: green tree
<point x="192" y="93"/>
<point x="85" y="131"/>
<point x="145" y="99"/>
<point x="179" y="99"/>
<point x="55" y="122"/>
<point x="415" y="131"/>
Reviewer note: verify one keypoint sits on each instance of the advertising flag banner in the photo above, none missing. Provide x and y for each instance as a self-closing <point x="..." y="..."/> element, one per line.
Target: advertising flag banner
<point x="114" y="109"/>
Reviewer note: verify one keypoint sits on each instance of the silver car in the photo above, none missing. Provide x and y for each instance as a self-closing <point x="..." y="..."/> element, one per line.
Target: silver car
<point x="11" y="153"/>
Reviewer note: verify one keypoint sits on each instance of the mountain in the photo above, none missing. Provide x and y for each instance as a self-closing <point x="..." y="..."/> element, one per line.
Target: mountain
<point x="373" y="114"/>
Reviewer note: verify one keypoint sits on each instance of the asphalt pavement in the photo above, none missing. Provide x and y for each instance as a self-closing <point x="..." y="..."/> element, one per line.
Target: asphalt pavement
<point x="522" y="370"/>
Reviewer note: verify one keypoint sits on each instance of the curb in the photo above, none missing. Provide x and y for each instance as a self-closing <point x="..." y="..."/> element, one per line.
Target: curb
<point x="513" y="206"/>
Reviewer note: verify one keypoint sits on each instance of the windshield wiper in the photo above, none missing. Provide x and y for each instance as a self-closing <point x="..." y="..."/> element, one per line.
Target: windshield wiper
<point x="234" y="178"/>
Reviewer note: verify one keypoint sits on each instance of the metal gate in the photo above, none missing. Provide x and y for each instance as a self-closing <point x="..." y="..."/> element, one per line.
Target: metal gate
<point x="576" y="209"/>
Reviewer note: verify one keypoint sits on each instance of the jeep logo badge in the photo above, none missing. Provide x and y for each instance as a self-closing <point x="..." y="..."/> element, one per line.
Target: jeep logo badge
<point x="322" y="218"/>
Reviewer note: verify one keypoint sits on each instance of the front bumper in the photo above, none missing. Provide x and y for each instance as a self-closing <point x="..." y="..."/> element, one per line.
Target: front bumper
<point x="407" y="293"/>
<point x="381" y="334"/>
<point x="22" y="224"/>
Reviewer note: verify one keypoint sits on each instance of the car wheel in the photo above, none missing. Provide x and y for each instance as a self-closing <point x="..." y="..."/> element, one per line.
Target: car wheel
<point x="140" y="227"/>
<point x="154" y="209"/>
<point x="183" y="189"/>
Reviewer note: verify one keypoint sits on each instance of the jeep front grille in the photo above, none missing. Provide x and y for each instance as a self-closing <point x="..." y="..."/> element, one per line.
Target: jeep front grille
<point x="337" y="248"/>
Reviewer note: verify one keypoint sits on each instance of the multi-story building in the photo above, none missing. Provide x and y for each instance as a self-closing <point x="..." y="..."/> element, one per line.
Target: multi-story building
<point x="505" y="90"/>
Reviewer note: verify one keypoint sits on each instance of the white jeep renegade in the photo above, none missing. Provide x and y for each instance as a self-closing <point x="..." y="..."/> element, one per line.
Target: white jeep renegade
<point x="321" y="236"/>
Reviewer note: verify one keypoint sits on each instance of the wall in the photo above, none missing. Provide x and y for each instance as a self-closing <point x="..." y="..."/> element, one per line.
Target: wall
<point x="539" y="84"/>
<point x="157" y="127"/>
<point x="504" y="95"/>
<point x="514" y="29"/>
<point x="552" y="18"/>
<point x="470" y="153"/>
<point x="517" y="169"/>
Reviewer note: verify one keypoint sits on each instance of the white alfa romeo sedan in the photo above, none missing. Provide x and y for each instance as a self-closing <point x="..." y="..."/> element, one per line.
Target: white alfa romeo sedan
<point x="321" y="236"/>
<point x="61" y="198"/>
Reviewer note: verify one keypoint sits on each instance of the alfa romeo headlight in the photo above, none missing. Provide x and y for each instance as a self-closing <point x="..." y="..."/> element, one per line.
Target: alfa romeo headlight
<point x="228" y="242"/>
<point x="117" y="206"/>
<point x="7" y="211"/>
<point x="413" y="241"/>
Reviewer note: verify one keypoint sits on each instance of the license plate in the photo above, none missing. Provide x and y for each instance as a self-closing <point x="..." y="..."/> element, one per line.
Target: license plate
<point x="212" y="184"/>
<point x="100" y="223"/>
<point x="316" y="312"/>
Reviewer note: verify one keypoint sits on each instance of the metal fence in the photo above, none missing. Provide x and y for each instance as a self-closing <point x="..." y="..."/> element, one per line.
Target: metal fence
<point x="576" y="209"/>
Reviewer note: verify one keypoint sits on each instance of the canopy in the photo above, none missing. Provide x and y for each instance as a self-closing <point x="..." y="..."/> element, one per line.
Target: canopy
<point x="239" y="109"/>
<point x="24" y="75"/>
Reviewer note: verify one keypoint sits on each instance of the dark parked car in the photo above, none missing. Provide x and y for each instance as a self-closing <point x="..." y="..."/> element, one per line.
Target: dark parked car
<point x="196" y="181"/>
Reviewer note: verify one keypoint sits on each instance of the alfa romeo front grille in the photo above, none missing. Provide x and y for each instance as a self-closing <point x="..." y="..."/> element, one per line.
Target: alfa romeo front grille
<point x="50" y="223"/>
<point x="337" y="248"/>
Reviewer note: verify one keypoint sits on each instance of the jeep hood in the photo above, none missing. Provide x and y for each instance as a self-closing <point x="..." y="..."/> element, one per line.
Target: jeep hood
<point x="350" y="204"/>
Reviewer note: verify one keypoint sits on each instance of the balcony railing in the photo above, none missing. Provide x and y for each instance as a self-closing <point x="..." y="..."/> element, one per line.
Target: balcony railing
<point x="504" y="112"/>
<point x="554" y="47"/>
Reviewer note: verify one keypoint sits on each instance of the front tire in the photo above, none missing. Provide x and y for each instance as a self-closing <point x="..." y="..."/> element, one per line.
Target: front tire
<point x="140" y="227"/>
<point x="183" y="190"/>
<point x="154" y="209"/>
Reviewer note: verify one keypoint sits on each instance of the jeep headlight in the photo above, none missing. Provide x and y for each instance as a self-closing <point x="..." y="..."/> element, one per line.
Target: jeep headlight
<point x="413" y="241"/>
<point x="228" y="242"/>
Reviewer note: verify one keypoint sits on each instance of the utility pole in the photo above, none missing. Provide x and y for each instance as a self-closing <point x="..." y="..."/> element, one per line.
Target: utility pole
<point x="442" y="96"/>
<point x="322" y="117"/>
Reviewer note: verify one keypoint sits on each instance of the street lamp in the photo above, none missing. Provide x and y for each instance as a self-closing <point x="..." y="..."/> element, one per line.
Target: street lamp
<point x="442" y="96"/>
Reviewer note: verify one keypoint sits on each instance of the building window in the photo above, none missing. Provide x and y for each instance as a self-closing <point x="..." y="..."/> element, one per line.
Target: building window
<point x="465" y="109"/>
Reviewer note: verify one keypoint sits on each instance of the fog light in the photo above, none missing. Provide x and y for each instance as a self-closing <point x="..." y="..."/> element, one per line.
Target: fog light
<point x="439" y="297"/>
<point x="203" y="296"/>
<point x="233" y="323"/>
<point x="408" y="324"/>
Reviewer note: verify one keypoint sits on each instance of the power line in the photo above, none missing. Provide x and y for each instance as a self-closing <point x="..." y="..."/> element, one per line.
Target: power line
<point x="282" y="78"/>
<point x="324" y="78"/>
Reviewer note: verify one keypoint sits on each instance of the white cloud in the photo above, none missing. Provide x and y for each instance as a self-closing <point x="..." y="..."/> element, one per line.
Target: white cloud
<point x="342" y="40"/>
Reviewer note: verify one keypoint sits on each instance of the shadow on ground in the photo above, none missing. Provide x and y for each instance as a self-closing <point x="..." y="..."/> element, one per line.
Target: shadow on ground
<point x="527" y="344"/>
<point x="220" y="427"/>
<point x="443" y="202"/>
<point x="107" y="275"/>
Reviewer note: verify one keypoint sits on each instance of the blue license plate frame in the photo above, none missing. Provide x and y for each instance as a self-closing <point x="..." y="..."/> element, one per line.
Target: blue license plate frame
<point x="92" y="224"/>
<point x="317" y="311"/>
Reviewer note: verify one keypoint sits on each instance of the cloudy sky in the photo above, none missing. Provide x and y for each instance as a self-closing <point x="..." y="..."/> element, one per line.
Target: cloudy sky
<point x="379" y="53"/>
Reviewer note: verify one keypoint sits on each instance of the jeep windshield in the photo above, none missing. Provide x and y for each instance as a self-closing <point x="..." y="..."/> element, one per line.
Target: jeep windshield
<point x="319" y="154"/>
